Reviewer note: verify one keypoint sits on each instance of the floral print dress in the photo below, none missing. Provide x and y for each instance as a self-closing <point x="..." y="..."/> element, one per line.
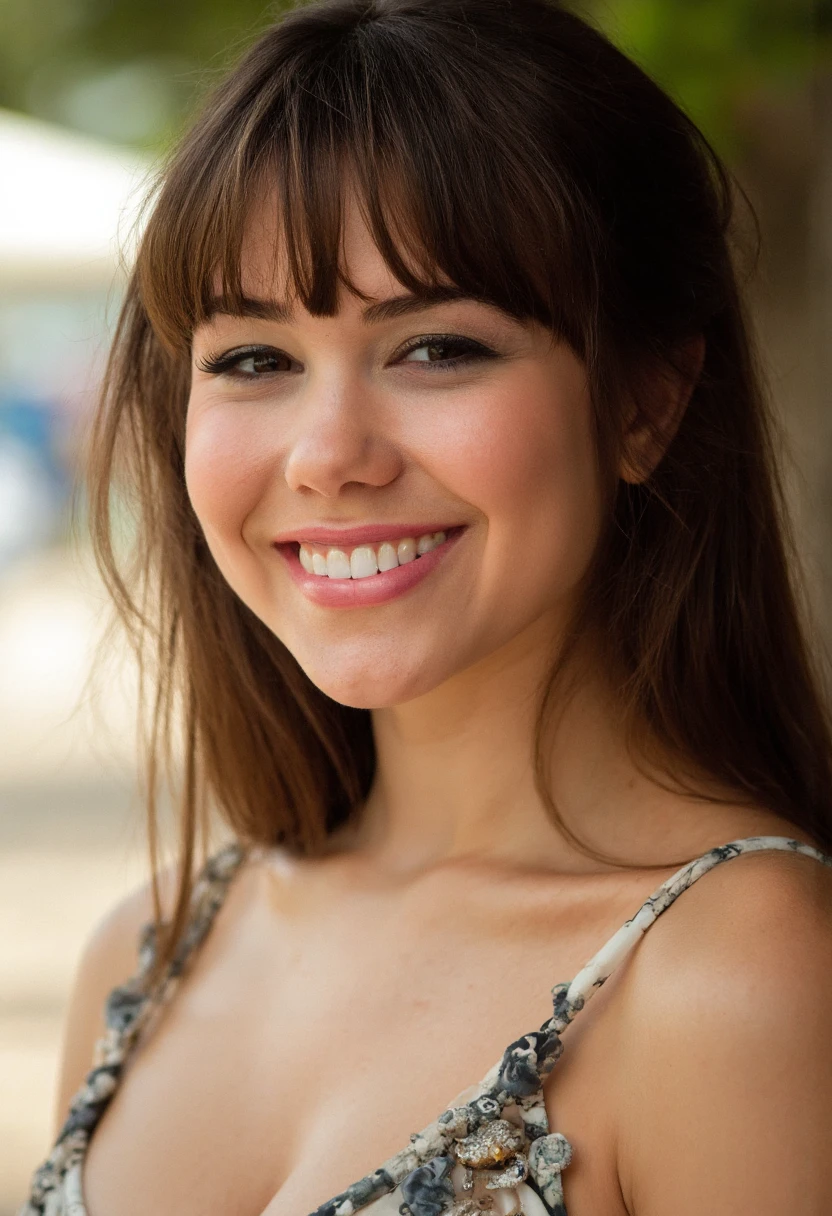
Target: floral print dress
<point x="491" y="1150"/>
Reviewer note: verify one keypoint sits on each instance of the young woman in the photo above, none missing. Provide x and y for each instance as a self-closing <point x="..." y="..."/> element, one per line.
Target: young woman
<point x="464" y="572"/>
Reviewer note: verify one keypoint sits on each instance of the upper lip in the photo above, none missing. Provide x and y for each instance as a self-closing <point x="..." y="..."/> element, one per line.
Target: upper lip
<point x="318" y="534"/>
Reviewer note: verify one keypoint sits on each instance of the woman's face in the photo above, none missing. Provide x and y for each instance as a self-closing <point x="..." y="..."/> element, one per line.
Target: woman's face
<point x="403" y="418"/>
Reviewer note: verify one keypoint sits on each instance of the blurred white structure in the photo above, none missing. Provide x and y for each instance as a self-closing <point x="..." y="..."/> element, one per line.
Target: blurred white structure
<point x="70" y="211"/>
<point x="68" y="205"/>
<point x="70" y="825"/>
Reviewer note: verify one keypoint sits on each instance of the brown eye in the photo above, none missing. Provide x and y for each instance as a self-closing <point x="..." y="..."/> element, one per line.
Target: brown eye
<point x="431" y="352"/>
<point x="248" y="362"/>
<point x="446" y="351"/>
<point x="265" y="361"/>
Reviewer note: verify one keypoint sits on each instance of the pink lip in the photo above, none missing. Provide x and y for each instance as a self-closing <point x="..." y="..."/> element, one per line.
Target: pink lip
<point x="367" y="534"/>
<point x="365" y="592"/>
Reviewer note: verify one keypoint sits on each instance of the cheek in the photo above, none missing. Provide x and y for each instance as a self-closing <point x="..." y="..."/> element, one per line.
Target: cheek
<point x="227" y="463"/>
<point x="525" y="458"/>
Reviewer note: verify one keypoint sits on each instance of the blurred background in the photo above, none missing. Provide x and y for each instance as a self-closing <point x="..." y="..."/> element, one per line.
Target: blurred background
<point x="92" y="92"/>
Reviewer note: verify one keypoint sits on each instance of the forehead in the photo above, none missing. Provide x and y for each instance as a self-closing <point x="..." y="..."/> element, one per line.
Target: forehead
<point x="264" y="260"/>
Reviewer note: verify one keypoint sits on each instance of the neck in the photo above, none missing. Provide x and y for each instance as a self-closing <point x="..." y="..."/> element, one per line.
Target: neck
<point x="455" y="776"/>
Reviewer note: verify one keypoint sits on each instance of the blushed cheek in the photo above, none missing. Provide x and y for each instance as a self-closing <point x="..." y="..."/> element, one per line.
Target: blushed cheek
<point x="227" y="474"/>
<point x="526" y="460"/>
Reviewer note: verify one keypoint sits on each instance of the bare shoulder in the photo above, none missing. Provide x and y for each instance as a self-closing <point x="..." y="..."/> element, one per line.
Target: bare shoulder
<point x="726" y="1064"/>
<point x="109" y="957"/>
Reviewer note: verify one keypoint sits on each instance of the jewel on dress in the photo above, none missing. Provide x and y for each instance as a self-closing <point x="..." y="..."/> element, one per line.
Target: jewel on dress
<point x="463" y="1163"/>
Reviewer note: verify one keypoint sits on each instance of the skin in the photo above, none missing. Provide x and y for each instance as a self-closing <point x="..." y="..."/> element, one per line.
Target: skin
<point x="339" y="1004"/>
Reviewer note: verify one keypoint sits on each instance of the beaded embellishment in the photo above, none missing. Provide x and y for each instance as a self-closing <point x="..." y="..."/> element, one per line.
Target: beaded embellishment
<point x="494" y="1153"/>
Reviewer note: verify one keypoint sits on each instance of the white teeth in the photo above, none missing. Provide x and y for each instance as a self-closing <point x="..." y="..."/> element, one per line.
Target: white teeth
<point x="338" y="564"/>
<point x="387" y="559"/>
<point x="363" y="562"/>
<point x="425" y="543"/>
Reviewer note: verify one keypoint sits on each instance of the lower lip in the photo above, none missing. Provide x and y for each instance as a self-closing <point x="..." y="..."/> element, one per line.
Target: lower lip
<point x="366" y="592"/>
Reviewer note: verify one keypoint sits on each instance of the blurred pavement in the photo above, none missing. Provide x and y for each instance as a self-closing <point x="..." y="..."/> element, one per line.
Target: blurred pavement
<point x="71" y="830"/>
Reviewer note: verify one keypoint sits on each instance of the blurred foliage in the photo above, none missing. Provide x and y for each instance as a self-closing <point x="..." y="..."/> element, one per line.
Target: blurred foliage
<point x="716" y="56"/>
<point x="128" y="70"/>
<point x="131" y="69"/>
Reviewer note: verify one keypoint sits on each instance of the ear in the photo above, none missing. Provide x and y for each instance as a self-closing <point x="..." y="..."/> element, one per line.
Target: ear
<point x="654" y="419"/>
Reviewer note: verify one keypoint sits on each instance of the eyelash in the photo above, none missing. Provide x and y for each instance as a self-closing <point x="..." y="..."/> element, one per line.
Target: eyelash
<point x="228" y="363"/>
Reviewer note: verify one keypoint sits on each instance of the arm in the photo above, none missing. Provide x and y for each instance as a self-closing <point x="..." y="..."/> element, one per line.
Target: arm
<point x="726" y="1101"/>
<point x="109" y="957"/>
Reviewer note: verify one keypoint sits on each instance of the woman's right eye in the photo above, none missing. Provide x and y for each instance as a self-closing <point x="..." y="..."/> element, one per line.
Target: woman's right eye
<point x="248" y="362"/>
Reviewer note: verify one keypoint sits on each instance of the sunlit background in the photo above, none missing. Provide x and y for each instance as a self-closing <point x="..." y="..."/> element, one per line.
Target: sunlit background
<point x="92" y="93"/>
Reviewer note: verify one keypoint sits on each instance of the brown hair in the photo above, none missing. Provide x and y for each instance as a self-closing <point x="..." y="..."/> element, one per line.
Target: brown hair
<point x="506" y="146"/>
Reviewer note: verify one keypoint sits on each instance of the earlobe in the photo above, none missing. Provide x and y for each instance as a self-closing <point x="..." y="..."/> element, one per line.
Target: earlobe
<point x="654" y="418"/>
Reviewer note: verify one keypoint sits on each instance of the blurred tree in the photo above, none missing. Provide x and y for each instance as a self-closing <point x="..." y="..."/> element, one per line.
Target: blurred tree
<point x="131" y="69"/>
<point x="127" y="70"/>
<point x="714" y="56"/>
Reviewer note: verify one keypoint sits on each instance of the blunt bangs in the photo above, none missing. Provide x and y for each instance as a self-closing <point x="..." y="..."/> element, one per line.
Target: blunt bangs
<point x="448" y="193"/>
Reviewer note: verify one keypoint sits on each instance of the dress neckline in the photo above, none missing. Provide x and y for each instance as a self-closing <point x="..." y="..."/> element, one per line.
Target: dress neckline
<point x="514" y="1085"/>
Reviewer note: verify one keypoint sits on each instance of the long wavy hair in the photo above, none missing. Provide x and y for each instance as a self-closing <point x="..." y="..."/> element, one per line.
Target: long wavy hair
<point x="508" y="147"/>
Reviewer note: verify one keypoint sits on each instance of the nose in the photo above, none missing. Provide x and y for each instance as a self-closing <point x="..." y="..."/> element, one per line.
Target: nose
<point x="341" y="438"/>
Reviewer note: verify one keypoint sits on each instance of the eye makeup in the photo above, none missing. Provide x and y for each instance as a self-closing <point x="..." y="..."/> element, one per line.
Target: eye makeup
<point x="442" y="352"/>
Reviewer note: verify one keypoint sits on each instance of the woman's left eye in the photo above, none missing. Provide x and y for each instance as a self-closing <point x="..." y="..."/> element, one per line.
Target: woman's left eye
<point x="446" y="351"/>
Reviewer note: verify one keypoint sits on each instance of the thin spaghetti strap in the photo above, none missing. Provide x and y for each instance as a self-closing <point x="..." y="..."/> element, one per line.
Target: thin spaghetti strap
<point x="128" y="1008"/>
<point x="56" y="1185"/>
<point x="570" y="998"/>
<point x="130" y="1004"/>
<point x="516" y="1080"/>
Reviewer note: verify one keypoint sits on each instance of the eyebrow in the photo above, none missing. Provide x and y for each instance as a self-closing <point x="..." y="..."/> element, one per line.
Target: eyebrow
<point x="381" y="310"/>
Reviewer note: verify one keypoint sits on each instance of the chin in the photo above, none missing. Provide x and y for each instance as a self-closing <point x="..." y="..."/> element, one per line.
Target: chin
<point x="362" y="690"/>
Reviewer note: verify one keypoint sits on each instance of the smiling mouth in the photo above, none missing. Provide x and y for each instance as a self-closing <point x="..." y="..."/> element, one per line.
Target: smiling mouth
<point x="366" y="561"/>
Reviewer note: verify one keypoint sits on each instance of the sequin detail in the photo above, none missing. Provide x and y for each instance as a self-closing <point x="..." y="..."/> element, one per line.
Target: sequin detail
<point x="435" y="1174"/>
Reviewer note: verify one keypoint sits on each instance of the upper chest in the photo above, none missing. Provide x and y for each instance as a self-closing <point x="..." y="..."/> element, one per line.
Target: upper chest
<point x="309" y="1041"/>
